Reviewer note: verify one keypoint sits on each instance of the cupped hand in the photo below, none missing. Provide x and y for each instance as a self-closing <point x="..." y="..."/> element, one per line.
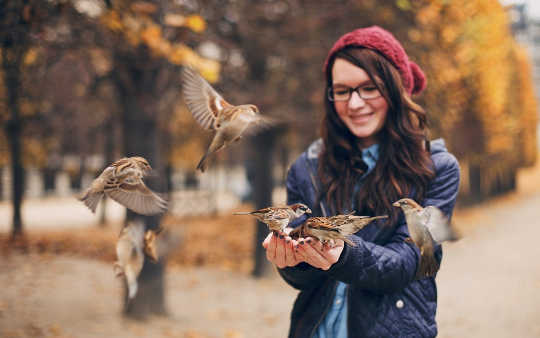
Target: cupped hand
<point x="280" y="250"/>
<point x="318" y="255"/>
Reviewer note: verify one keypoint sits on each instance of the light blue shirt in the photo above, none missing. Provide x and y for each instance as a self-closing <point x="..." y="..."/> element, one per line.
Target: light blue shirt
<point x="334" y="324"/>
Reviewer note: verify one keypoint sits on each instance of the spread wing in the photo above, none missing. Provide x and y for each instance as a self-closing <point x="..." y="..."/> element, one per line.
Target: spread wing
<point x="138" y="198"/>
<point x="259" y="124"/>
<point x="203" y="101"/>
<point x="437" y="224"/>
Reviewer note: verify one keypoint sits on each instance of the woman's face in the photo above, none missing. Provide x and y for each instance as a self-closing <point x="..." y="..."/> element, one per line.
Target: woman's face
<point x="364" y="118"/>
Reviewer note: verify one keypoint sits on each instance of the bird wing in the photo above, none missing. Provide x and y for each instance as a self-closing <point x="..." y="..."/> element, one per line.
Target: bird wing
<point x="259" y="124"/>
<point x="138" y="198"/>
<point x="322" y="223"/>
<point x="437" y="223"/>
<point x="203" y="101"/>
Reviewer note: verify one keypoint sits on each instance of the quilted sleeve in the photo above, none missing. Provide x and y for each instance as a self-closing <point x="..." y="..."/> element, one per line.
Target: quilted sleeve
<point x="303" y="276"/>
<point x="391" y="267"/>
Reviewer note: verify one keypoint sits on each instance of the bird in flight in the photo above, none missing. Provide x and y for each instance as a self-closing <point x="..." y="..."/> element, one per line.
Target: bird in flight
<point x="428" y="227"/>
<point x="123" y="182"/>
<point x="212" y="112"/>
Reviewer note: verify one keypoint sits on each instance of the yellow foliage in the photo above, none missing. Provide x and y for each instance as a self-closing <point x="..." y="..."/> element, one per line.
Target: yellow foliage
<point x="196" y="23"/>
<point x="183" y="55"/>
<point x="151" y="35"/>
<point x="112" y="20"/>
<point x="141" y="29"/>
<point x="466" y="48"/>
<point x="31" y="56"/>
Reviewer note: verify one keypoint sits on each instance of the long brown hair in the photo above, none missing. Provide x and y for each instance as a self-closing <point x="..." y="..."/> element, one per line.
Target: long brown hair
<point x="404" y="163"/>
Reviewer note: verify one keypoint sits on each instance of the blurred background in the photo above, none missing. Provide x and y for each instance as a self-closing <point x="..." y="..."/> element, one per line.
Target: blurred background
<point x="85" y="82"/>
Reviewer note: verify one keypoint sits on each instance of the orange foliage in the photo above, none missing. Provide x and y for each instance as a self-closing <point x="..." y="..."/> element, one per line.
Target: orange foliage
<point x="224" y="241"/>
<point x="137" y="26"/>
<point x="471" y="58"/>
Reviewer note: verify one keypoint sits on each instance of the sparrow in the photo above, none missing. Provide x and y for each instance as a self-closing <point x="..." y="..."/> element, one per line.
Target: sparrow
<point x="427" y="227"/>
<point x="130" y="256"/>
<point x="329" y="229"/>
<point x="123" y="182"/>
<point x="212" y="112"/>
<point x="277" y="218"/>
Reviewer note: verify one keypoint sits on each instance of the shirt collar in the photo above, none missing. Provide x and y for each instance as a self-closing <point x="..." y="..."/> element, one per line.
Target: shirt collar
<point x="370" y="155"/>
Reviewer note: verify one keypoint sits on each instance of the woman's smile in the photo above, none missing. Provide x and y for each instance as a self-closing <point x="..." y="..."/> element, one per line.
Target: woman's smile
<point x="363" y="117"/>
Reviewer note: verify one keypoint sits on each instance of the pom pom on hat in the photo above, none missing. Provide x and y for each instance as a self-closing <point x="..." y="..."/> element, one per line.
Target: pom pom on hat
<point x="420" y="80"/>
<point x="383" y="42"/>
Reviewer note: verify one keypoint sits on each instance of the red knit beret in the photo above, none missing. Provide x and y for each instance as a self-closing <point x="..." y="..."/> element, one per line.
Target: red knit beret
<point x="384" y="43"/>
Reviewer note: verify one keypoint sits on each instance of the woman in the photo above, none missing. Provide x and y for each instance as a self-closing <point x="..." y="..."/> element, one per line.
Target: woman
<point x="373" y="151"/>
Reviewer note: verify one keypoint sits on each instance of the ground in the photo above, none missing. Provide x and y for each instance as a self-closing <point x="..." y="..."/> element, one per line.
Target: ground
<point x="63" y="286"/>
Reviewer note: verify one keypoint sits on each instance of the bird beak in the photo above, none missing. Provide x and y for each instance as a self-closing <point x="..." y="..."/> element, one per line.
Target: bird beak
<point x="308" y="211"/>
<point x="396" y="204"/>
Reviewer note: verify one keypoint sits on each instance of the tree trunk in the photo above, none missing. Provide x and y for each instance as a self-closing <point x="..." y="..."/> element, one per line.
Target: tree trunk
<point x="263" y="185"/>
<point x="109" y="158"/>
<point x="141" y="138"/>
<point x="12" y="54"/>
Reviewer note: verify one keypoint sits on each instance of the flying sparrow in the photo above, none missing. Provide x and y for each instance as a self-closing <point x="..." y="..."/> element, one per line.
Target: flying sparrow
<point x="427" y="227"/>
<point x="122" y="181"/>
<point x="277" y="218"/>
<point x="130" y="256"/>
<point x="212" y="112"/>
<point x="329" y="229"/>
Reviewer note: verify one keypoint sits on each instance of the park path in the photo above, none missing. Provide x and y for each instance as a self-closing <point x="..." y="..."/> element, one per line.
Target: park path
<point x="488" y="286"/>
<point x="57" y="213"/>
<point x="489" y="282"/>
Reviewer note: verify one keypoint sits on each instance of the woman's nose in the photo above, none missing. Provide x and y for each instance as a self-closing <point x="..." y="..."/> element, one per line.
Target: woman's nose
<point x="355" y="101"/>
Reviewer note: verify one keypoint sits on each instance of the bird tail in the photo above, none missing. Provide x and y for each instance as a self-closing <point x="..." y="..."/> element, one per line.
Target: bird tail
<point x="242" y="213"/>
<point x="358" y="223"/>
<point x="348" y="241"/>
<point x="131" y="281"/>
<point x="91" y="200"/>
<point x="428" y="266"/>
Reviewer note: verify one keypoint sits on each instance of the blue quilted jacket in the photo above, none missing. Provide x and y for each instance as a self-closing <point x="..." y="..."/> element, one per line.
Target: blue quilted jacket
<point x="384" y="298"/>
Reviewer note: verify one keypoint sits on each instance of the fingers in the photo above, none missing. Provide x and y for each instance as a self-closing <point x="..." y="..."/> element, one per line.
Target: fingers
<point x="290" y="258"/>
<point x="271" y="249"/>
<point x="281" y="258"/>
<point x="318" y="255"/>
<point x="266" y="241"/>
<point x="280" y="250"/>
<point x="312" y="255"/>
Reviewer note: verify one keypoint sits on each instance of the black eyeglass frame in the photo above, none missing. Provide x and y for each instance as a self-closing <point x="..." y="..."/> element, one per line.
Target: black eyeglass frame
<point x="329" y="93"/>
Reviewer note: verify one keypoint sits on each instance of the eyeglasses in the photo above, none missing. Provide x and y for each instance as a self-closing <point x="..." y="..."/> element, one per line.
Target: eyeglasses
<point x="341" y="93"/>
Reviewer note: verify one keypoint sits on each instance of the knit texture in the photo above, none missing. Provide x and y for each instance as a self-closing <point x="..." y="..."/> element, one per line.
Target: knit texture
<point x="383" y="42"/>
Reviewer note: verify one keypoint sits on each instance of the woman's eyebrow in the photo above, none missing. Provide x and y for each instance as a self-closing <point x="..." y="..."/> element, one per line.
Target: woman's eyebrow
<point x="365" y="82"/>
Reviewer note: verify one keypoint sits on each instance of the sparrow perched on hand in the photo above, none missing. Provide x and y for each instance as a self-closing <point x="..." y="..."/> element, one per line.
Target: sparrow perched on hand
<point x="122" y="181"/>
<point x="212" y="112"/>
<point x="277" y="218"/>
<point x="427" y="227"/>
<point x="130" y="256"/>
<point x="329" y="229"/>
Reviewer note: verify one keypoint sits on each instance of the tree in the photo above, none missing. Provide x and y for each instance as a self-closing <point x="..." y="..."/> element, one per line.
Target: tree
<point x="146" y="60"/>
<point x="18" y="19"/>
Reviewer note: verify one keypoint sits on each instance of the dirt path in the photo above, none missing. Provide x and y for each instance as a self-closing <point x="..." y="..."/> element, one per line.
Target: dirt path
<point x="488" y="287"/>
<point x="489" y="281"/>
